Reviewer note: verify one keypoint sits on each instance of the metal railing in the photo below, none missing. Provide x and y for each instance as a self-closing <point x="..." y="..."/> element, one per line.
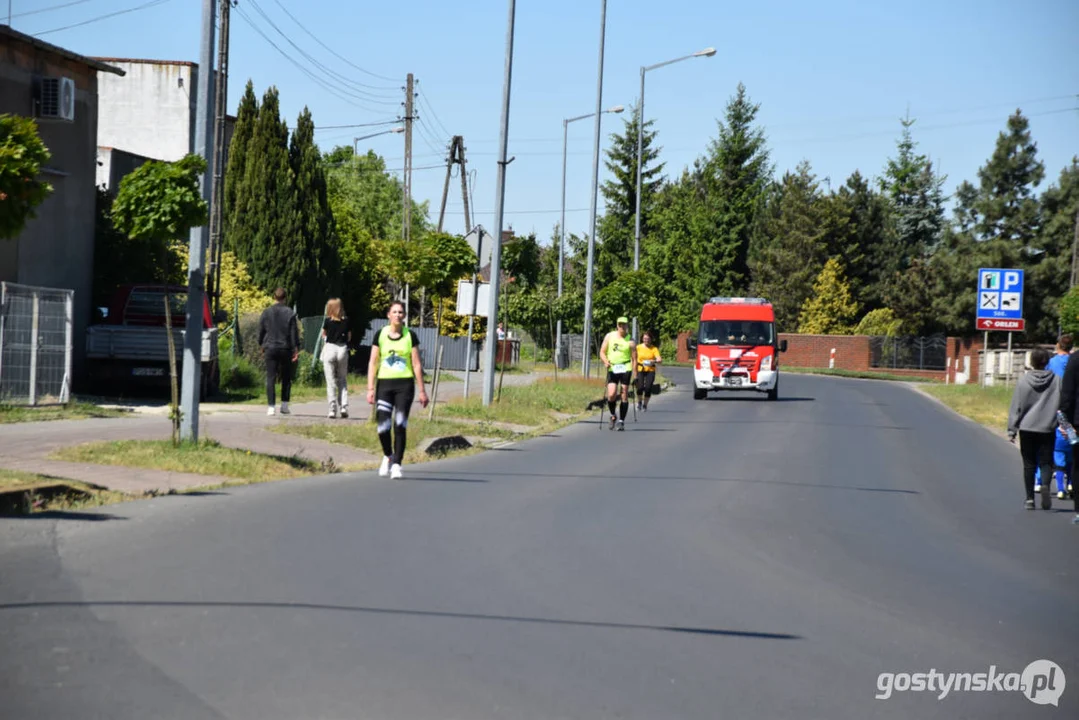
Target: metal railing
<point x="908" y="352"/>
<point x="36" y="327"/>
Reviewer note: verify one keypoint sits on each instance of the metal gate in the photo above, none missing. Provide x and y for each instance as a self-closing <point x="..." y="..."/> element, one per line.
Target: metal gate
<point x="35" y="344"/>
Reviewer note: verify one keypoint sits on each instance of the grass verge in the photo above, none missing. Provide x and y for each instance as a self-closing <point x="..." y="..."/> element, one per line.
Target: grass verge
<point x="865" y="375"/>
<point x="26" y="492"/>
<point x="206" y="458"/>
<point x="532" y="404"/>
<point x="71" y="411"/>
<point x="985" y="405"/>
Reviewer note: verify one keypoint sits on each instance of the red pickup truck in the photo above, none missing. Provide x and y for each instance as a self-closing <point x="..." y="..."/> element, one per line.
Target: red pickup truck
<point x="130" y="346"/>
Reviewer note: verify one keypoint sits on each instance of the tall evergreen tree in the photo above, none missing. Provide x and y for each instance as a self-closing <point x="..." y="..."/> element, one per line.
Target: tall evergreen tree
<point x="859" y="240"/>
<point x="315" y="241"/>
<point x="236" y="169"/>
<point x="1007" y="208"/>
<point x="1048" y="279"/>
<point x="789" y="248"/>
<point x="266" y="205"/>
<point x="915" y="192"/>
<point x="735" y="173"/>
<point x="617" y="227"/>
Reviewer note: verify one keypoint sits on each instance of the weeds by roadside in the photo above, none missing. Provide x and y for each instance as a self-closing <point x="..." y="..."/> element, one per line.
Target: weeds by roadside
<point x="865" y="375"/>
<point x="206" y="458"/>
<point x="71" y="411"/>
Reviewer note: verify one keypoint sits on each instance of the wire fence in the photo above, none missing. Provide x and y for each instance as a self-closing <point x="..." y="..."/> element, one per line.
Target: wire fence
<point x="35" y="344"/>
<point x="908" y="352"/>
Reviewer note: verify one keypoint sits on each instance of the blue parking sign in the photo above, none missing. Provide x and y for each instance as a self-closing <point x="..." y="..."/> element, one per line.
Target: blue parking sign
<point x="1000" y="299"/>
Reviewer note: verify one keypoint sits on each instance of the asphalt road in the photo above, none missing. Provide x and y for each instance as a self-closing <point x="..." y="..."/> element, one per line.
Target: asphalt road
<point x="727" y="558"/>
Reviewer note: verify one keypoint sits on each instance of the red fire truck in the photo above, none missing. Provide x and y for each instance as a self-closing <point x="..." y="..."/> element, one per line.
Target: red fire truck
<point x="737" y="347"/>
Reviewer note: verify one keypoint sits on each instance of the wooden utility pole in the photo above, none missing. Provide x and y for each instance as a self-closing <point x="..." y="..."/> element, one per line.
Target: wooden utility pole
<point x="456" y="156"/>
<point x="406" y="216"/>
<point x="220" y="112"/>
<point x="1075" y="253"/>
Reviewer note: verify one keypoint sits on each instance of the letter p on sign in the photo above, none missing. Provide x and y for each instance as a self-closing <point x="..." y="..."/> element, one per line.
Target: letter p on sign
<point x="1011" y="280"/>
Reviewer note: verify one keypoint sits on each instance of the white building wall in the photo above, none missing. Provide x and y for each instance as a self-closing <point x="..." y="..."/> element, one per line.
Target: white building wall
<point x="149" y="111"/>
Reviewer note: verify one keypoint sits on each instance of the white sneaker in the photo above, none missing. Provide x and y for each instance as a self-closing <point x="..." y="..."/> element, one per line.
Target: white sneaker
<point x="1062" y="495"/>
<point x="331" y="415"/>
<point x="384" y="468"/>
<point x="284" y="409"/>
<point x="270" y="410"/>
<point x="395" y="472"/>
<point x="1037" y="487"/>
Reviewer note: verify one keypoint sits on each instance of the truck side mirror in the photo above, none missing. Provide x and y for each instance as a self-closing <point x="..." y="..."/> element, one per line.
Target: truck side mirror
<point x="782" y="346"/>
<point x="691" y="344"/>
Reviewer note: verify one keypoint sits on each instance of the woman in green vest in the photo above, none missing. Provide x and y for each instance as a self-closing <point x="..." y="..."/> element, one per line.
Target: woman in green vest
<point x="395" y="364"/>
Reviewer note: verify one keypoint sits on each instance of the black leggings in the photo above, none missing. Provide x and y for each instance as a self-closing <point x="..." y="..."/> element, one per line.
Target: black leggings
<point x="1037" y="451"/>
<point x="393" y="401"/>
<point x="644" y="383"/>
<point x="278" y="363"/>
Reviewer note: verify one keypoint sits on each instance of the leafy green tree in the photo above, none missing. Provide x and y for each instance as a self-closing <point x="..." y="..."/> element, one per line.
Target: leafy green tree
<point x="831" y="310"/>
<point x="881" y="321"/>
<point x="1049" y="264"/>
<point x="789" y="246"/>
<point x="1069" y="311"/>
<point x="632" y="293"/>
<point x="21" y="156"/>
<point x="160" y="202"/>
<point x="617" y="227"/>
<point x="315" y="242"/>
<point x="236" y="170"/>
<point x="521" y="261"/>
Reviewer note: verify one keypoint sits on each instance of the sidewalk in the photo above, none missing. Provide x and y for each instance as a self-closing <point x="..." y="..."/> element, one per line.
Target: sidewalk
<point x="26" y="446"/>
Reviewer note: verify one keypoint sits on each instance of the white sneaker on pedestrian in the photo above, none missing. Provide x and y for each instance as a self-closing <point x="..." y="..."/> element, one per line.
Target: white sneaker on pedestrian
<point x="284" y="409"/>
<point x="1037" y="487"/>
<point x="384" y="468"/>
<point x="395" y="472"/>
<point x="270" y="410"/>
<point x="331" y="415"/>
<point x="344" y="413"/>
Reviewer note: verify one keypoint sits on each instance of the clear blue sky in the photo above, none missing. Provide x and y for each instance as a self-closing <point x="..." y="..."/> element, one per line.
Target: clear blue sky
<point x="832" y="78"/>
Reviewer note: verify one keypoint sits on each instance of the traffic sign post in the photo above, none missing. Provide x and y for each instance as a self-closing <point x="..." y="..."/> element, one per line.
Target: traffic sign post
<point x="999" y="305"/>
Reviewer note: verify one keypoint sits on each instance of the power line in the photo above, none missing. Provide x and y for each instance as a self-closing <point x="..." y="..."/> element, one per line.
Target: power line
<point x="150" y="4"/>
<point x="337" y="92"/>
<point x="337" y="55"/>
<point x="356" y="125"/>
<point x="378" y="99"/>
<point x="438" y="121"/>
<point x="48" y="9"/>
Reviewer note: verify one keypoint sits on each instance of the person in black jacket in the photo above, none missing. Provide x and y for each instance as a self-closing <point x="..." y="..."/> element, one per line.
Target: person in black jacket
<point x="1069" y="405"/>
<point x="279" y="340"/>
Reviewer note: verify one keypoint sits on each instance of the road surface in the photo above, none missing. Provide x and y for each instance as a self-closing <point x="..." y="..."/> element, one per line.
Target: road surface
<point x="727" y="558"/>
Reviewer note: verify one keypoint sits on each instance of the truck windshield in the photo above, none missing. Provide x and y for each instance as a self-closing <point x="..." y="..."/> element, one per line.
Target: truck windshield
<point x="735" y="332"/>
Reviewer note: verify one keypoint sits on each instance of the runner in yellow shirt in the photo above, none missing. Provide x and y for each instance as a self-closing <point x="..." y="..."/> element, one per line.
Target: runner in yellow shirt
<point x="647" y="359"/>
<point x="619" y="354"/>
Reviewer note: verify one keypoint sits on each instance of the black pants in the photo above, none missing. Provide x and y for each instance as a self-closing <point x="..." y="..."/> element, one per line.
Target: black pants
<point x="278" y="363"/>
<point x="644" y="383"/>
<point x="1037" y="451"/>
<point x="393" y="401"/>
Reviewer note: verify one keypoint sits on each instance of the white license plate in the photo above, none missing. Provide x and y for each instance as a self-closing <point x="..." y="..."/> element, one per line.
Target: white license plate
<point x="148" y="372"/>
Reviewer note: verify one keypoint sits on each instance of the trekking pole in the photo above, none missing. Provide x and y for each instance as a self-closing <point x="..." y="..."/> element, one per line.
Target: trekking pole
<point x="633" y="398"/>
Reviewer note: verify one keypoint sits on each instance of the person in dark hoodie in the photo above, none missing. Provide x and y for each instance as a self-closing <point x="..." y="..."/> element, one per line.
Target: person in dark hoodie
<point x="1033" y="417"/>
<point x="279" y="339"/>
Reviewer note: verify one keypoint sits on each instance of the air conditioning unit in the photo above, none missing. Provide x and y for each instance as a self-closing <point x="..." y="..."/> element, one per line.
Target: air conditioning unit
<point x="56" y="98"/>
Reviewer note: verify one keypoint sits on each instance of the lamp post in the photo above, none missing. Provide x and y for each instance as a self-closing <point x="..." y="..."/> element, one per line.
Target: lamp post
<point x="355" y="141"/>
<point x="586" y="359"/>
<point x="562" y="222"/>
<point x="707" y="52"/>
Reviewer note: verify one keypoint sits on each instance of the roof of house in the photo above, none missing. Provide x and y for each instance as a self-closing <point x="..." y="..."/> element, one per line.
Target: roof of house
<point x="96" y="64"/>
<point x="145" y="61"/>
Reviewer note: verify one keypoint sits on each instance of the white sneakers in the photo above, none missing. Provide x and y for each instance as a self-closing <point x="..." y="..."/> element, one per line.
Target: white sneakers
<point x="392" y="471"/>
<point x="270" y="410"/>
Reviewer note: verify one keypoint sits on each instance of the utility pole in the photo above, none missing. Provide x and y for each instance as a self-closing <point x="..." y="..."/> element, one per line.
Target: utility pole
<point x="500" y="204"/>
<point x="1075" y="254"/>
<point x="196" y="258"/>
<point x="456" y="156"/>
<point x="221" y="91"/>
<point x="586" y="361"/>
<point x="406" y="217"/>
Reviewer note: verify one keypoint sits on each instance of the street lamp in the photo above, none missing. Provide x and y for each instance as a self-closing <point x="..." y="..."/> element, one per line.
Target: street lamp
<point x="355" y="141"/>
<point x="562" y="223"/>
<point x="707" y="52"/>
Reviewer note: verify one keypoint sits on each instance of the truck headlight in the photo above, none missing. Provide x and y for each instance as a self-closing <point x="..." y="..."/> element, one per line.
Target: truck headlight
<point x="766" y="363"/>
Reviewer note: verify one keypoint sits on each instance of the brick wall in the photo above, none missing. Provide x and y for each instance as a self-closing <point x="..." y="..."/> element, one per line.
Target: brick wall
<point x="814" y="351"/>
